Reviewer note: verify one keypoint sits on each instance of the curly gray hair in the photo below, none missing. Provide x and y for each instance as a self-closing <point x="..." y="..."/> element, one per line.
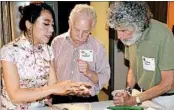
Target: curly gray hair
<point x="129" y="13"/>
<point x="86" y="10"/>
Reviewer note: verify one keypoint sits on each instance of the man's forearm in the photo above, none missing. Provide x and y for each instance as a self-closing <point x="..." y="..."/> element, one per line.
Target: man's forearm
<point x="166" y="84"/>
<point x="93" y="76"/>
<point x="153" y="92"/>
<point x="130" y="79"/>
<point x="130" y="84"/>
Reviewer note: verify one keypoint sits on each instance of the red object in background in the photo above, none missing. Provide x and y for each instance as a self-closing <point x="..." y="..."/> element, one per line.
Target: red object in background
<point x="173" y="29"/>
<point x="36" y="2"/>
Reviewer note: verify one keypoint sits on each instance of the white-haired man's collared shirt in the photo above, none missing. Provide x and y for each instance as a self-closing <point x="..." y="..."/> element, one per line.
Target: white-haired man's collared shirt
<point x="66" y="56"/>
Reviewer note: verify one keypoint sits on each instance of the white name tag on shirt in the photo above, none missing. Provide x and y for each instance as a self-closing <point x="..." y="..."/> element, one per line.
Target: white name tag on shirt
<point x="86" y="55"/>
<point x="148" y="63"/>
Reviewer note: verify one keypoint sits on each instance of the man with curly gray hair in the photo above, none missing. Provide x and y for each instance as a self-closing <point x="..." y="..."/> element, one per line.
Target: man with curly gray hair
<point x="149" y="49"/>
<point x="81" y="57"/>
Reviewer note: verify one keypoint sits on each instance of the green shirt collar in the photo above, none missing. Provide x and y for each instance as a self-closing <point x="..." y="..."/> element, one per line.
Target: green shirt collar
<point x="144" y="34"/>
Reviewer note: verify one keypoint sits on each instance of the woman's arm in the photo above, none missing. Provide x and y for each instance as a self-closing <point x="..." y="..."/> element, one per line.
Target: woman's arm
<point x="22" y="95"/>
<point x="52" y="75"/>
<point x="17" y="94"/>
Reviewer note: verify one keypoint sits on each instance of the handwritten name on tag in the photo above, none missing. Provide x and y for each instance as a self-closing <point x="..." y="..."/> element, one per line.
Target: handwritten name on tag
<point x="148" y="63"/>
<point x="86" y="55"/>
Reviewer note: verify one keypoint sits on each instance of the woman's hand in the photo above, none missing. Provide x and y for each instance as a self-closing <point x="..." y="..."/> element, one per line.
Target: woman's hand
<point x="81" y="89"/>
<point x="62" y="88"/>
<point x="70" y="87"/>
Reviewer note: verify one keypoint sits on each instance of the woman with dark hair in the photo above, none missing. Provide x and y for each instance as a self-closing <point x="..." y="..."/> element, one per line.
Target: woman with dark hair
<point x="28" y="75"/>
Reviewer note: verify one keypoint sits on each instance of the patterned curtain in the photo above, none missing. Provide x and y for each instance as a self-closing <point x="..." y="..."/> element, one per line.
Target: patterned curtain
<point x="0" y="27"/>
<point x="5" y="28"/>
<point x="0" y="47"/>
<point x="5" y="21"/>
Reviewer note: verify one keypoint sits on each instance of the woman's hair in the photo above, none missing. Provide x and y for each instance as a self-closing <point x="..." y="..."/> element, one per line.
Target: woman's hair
<point x="32" y="12"/>
<point x="85" y="10"/>
<point x="129" y="13"/>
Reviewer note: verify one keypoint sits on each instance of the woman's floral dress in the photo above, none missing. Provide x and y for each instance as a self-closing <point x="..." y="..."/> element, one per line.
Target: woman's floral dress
<point x="33" y="64"/>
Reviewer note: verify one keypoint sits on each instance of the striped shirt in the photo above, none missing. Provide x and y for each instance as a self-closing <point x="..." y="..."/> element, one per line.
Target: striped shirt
<point x="66" y="56"/>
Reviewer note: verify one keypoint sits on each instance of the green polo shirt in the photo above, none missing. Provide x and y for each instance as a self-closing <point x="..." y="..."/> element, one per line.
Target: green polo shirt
<point x="153" y="53"/>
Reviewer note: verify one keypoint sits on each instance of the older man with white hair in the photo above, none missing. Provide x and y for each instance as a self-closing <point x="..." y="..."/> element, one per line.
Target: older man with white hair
<point x="79" y="56"/>
<point x="149" y="49"/>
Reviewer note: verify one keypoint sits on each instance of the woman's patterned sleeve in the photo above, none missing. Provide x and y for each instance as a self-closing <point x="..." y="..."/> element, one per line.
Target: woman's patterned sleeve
<point x="7" y="54"/>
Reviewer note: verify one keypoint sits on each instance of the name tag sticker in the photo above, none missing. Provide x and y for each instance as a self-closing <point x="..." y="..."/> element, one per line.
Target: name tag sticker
<point x="86" y="55"/>
<point x="148" y="63"/>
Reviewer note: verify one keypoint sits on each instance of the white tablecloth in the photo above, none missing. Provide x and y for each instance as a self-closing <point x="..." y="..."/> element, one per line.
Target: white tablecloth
<point x="104" y="104"/>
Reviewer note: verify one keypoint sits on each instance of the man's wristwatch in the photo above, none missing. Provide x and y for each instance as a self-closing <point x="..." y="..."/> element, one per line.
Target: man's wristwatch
<point x="129" y="91"/>
<point x="138" y="101"/>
